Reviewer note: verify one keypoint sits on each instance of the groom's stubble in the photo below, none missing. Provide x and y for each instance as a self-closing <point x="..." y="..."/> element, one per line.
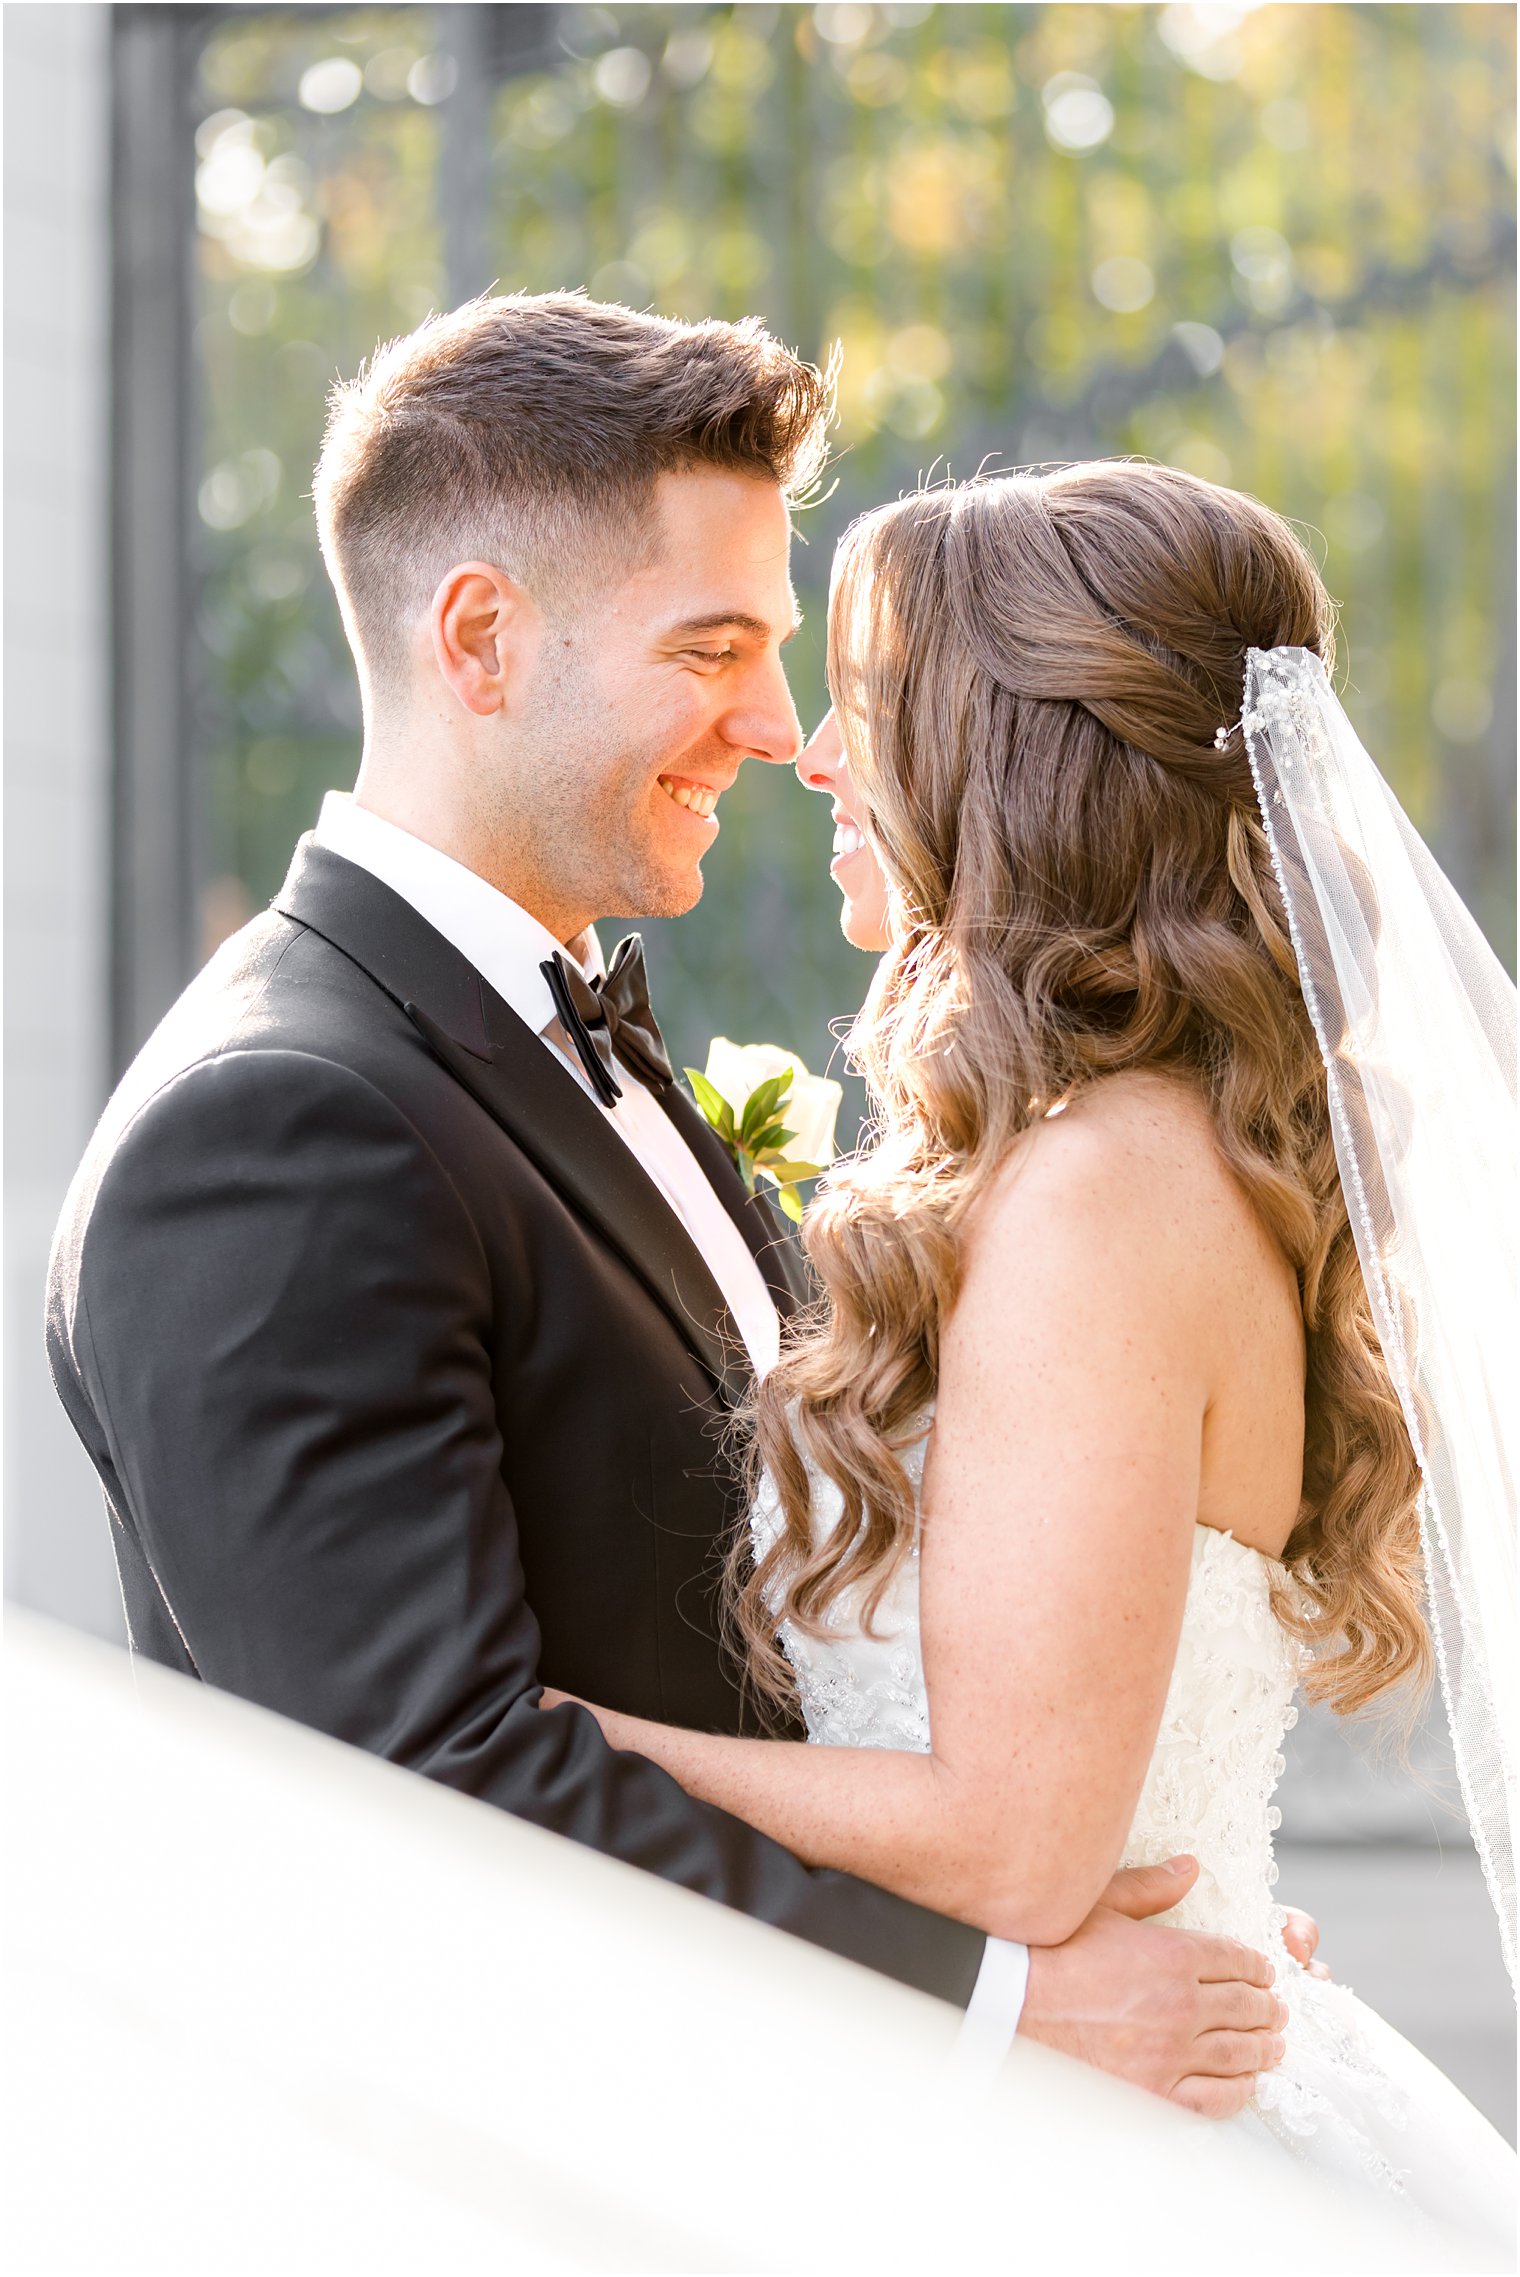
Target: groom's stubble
<point x="571" y="803"/>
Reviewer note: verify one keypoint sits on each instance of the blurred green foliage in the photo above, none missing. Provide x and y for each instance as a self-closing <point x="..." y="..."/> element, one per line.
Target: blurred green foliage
<point x="1273" y="245"/>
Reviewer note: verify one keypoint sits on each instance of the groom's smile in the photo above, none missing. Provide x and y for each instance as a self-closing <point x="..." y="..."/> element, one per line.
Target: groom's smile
<point x="696" y="799"/>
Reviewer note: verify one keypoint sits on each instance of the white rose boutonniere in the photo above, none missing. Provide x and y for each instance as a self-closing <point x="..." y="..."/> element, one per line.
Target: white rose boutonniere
<point x="776" y="1119"/>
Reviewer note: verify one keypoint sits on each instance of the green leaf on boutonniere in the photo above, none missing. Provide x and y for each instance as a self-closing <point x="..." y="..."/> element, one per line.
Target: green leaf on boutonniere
<point x="715" y="1107"/>
<point x="760" y="1108"/>
<point x="788" y="1173"/>
<point x="771" y="1140"/>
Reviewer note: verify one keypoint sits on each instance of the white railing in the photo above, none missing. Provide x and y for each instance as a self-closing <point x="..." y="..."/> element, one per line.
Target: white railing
<point x="281" y="2007"/>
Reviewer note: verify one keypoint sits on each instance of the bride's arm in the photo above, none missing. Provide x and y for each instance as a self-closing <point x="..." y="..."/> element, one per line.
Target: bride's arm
<point x="1059" y="1509"/>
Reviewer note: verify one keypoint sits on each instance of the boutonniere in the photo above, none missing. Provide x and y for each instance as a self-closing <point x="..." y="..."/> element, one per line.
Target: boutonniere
<point x="775" y="1119"/>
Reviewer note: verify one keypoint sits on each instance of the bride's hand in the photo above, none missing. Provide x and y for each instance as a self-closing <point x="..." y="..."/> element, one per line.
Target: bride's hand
<point x="1301" y="1936"/>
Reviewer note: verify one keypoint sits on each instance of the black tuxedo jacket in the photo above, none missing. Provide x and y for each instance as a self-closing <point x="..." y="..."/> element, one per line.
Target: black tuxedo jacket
<point x="406" y="1389"/>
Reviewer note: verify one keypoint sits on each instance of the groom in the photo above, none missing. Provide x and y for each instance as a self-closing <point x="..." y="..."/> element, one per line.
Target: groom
<point x="401" y="1296"/>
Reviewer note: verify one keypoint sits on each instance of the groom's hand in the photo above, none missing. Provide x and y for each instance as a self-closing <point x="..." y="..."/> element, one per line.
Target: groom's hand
<point x="1189" y="2017"/>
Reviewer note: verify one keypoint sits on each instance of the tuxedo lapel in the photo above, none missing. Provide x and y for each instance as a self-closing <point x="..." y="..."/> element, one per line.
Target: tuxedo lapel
<point x="565" y="1134"/>
<point x="768" y="1242"/>
<point x="498" y="1059"/>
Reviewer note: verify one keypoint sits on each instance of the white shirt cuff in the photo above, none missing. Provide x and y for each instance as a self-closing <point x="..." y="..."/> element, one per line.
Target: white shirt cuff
<point x="993" y="2011"/>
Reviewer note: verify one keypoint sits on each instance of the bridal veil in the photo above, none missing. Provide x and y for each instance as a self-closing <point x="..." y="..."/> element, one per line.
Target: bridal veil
<point x="1416" y="1022"/>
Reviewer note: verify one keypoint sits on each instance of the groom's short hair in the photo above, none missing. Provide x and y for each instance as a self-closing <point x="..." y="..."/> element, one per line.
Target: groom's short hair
<point x="529" y="430"/>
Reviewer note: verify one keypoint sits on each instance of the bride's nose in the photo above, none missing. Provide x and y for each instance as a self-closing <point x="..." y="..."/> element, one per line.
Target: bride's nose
<point x="819" y="760"/>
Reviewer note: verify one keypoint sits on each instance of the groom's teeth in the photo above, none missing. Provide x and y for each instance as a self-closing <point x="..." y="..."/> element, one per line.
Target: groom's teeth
<point x="695" y="797"/>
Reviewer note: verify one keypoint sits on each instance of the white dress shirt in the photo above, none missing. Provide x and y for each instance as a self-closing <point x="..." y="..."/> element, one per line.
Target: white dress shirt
<point x="507" y="946"/>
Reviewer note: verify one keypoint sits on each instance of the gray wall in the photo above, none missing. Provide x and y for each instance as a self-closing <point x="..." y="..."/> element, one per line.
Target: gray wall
<point x="57" y="756"/>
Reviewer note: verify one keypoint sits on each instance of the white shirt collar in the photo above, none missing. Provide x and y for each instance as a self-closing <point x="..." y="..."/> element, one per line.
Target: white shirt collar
<point x="502" y="941"/>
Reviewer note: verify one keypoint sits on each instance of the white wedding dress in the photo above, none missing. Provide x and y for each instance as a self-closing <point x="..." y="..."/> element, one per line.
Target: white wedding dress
<point x="1351" y="2097"/>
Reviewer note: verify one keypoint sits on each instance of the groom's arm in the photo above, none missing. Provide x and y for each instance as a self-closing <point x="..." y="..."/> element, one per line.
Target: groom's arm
<point x="279" y="1317"/>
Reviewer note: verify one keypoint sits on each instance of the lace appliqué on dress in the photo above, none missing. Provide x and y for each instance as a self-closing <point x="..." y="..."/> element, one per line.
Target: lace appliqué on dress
<point x="856" y="1690"/>
<point x="1209" y="1792"/>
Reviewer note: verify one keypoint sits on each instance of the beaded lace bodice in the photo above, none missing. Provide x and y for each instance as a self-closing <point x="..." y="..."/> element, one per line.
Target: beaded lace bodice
<point x="1208" y="1790"/>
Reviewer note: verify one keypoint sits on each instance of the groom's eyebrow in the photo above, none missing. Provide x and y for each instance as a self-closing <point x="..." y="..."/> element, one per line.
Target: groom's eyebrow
<point x="756" y="627"/>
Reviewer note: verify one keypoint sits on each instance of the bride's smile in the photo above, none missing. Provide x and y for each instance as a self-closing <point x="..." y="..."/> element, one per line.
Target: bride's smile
<point x="855" y="870"/>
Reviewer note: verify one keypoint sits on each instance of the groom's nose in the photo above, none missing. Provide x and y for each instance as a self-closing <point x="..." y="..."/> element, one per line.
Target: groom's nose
<point x="763" y="722"/>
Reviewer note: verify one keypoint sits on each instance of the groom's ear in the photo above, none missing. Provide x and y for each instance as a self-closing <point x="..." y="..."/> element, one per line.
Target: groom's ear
<point x="485" y="631"/>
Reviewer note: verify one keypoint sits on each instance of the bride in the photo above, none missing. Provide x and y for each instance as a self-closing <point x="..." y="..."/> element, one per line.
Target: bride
<point x="1112" y="1428"/>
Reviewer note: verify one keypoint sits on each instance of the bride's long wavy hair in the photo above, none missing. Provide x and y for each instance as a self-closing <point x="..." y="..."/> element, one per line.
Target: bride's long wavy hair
<point x="1030" y="673"/>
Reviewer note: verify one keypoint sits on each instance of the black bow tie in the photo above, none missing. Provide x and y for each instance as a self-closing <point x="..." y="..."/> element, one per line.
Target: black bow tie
<point x="603" y="1018"/>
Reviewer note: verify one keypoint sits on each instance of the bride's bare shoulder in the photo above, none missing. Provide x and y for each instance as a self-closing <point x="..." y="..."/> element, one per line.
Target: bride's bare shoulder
<point x="1131" y="1160"/>
<point x="1114" y="1132"/>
